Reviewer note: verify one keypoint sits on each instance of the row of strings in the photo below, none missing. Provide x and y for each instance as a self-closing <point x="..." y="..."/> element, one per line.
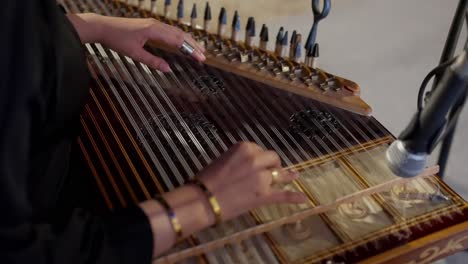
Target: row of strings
<point x="159" y="103"/>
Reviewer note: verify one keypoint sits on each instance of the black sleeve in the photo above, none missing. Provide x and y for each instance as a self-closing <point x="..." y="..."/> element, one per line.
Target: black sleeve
<point x="74" y="236"/>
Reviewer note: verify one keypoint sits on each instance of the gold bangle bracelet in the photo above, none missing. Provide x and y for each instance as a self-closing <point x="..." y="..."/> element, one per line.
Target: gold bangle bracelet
<point x="172" y="217"/>
<point x="211" y="199"/>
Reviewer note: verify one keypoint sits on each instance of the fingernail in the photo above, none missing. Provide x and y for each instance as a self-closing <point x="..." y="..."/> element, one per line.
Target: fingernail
<point x="294" y="174"/>
<point x="167" y="69"/>
<point x="202" y="56"/>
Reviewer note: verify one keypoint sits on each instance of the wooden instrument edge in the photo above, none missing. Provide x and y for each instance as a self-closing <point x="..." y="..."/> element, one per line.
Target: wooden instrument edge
<point x="352" y="103"/>
<point x="262" y="228"/>
<point x="426" y="249"/>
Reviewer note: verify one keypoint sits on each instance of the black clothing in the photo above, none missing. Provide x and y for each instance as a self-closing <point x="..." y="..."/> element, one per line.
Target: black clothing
<point x="43" y="87"/>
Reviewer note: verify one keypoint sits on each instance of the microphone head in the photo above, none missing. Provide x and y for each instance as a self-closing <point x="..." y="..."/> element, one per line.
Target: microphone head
<point x="404" y="163"/>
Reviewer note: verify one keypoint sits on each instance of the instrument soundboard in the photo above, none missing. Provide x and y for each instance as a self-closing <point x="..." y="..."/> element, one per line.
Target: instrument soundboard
<point x="147" y="132"/>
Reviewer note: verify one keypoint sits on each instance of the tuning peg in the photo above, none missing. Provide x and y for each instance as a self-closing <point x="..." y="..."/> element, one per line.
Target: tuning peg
<point x="167" y="7"/>
<point x="235" y="26"/>
<point x="222" y="21"/>
<point x="264" y="38"/>
<point x="284" y="44"/>
<point x="250" y="31"/>
<point x="153" y="7"/>
<point x="292" y="44"/>
<point x="279" y="39"/>
<point x="207" y="17"/>
<point x="315" y="55"/>
<point x="298" y="51"/>
<point x="180" y="11"/>
<point x="193" y="16"/>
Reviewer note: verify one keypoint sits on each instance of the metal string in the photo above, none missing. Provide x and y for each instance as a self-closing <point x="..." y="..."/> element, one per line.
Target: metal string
<point x="277" y="133"/>
<point x="109" y="150"/>
<point x="119" y="99"/>
<point x="232" y="108"/>
<point x="158" y="122"/>
<point x="257" y="122"/>
<point x="175" y="112"/>
<point x="181" y="86"/>
<point x="214" y="150"/>
<point x="161" y="75"/>
<point x="137" y="130"/>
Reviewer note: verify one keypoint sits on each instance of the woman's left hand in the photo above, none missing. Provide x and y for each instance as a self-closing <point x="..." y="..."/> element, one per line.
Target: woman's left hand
<point x="129" y="35"/>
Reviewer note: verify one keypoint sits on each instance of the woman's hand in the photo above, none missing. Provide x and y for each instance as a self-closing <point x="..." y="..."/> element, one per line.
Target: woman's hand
<point x="129" y="35"/>
<point x="241" y="179"/>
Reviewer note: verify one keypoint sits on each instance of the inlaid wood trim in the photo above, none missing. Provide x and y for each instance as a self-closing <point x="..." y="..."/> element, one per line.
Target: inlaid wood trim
<point x="427" y="249"/>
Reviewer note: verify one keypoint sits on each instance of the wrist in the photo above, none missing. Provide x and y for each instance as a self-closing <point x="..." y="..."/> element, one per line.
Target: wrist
<point x="210" y="197"/>
<point x="192" y="208"/>
<point x="90" y="26"/>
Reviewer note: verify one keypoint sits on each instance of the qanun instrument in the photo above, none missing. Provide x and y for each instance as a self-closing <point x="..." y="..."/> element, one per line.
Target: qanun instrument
<point x="146" y="132"/>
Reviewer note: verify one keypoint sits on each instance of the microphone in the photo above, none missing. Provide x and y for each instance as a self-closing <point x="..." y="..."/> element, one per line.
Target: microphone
<point x="407" y="156"/>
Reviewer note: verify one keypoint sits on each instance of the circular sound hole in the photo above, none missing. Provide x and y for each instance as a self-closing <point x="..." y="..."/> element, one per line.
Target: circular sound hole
<point x="313" y="123"/>
<point x="209" y="84"/>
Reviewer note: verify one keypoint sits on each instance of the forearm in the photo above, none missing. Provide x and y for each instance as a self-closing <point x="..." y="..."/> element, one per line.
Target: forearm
<point x="88" y="26"/>
<point x="191" y="208"/>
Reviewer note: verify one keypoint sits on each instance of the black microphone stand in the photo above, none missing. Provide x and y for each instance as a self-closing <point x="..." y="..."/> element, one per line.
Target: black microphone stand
<point x="447" y="54"/>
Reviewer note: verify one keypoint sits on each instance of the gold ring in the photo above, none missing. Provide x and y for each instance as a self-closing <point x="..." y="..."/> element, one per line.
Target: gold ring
<point x="274" y="177"/>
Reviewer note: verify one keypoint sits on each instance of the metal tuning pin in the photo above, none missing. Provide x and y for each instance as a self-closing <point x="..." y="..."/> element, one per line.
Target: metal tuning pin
<point x="250" y="32"/>
<point x="247" y="29"/>
<point x="207" y="17"/>
<point x="292" y="45"/>
<point x="264" y="38"/>
<point x="298" y="52"/>
<point x="167" y="7"/>
<point x="284" y="45"/>
<point x="262" y="30"/>
<point x="315" y="55"/>
<point x="235" y="26"/>
<point x="222" y="21"/>
<point x="180" y="11"/>
<point x="298" y="41"/>
<point x="193" y="16"/>
<point x="279" y="39"/>
<point x="153" y="7"/>
<point x="308" y="56"/>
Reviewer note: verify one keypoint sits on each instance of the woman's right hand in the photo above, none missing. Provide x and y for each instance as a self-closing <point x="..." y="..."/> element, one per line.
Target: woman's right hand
<point x="241" y="180"/>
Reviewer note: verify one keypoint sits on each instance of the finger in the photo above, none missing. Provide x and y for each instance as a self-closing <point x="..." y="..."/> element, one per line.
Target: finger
<point x="287" y="197"/>
<point x="265" y="160"/>
<point x="197" y="53"/>
<point x="284" y="176"/>
<point x="174" y="37"/>
<point x="264" y="183"/>
<point x="198" y="46"/>
<point x="149" y="59"/>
